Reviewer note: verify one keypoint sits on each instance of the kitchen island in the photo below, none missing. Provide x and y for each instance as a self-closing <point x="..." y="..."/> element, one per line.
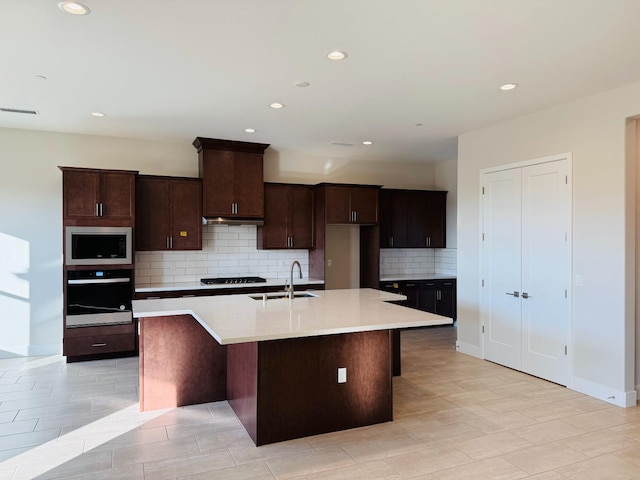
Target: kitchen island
<point x="289" y="368"/>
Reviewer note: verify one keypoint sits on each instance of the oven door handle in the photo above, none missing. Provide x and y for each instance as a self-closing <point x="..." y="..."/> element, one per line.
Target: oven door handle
<point x="98" y="280"/>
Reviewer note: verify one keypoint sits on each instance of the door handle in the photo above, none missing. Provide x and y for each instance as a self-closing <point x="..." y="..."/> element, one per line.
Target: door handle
<point x="515" y="294"/>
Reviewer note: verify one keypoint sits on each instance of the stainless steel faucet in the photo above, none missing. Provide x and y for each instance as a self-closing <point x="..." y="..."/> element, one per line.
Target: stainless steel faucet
<point x="289" y="289"/>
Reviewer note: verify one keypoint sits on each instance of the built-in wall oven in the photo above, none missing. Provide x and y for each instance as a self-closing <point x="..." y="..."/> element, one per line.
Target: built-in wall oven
<point x="98" y="297"/>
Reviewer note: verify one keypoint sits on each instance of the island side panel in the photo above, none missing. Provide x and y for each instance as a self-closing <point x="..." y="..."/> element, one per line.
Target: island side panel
<point x="298" y="389"/>
<point x="242" y="384"/>
<point x="180" y="363"/>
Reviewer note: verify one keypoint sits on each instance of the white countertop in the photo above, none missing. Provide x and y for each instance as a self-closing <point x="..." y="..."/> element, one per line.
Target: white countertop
<point x="178" y="286"/>
<point x="417" y="276"/>
<point x="240" y="319"/>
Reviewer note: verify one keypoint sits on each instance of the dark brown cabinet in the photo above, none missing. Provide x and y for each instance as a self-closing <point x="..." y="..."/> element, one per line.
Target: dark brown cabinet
<point x="412" y="219"/>
<point x="438" y="296"/>
<point x="288" y="220"/>
<point x="98" y="197"/>
<point x="169" y="213"/>
<point x="232" y="178"/>
<point x="351" y="204"/>
<point x="433" y="296"/>
<point x="85" y="343"/>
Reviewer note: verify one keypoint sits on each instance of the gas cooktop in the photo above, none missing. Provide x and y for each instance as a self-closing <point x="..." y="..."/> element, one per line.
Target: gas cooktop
<point x="231" y="280"/>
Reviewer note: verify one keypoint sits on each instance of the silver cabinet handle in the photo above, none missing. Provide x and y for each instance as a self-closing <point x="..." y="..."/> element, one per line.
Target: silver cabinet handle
<point x="525" y="295"/>
<point x="355" y="215"/>
<point x="515" y="294"/>
<point x="167" y="242"/>
<point x="99" y="345"/>
<point x="101" y="209"/>
<point x="171" y="241"/>
<point x="291" y="242"/>
<point x="391" y="241"/>
<point x="97" y="209"/>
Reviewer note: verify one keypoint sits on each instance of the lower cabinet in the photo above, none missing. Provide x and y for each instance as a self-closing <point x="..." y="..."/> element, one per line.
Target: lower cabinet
<point x="83" y="343"/>
<point x="433" y="296"/>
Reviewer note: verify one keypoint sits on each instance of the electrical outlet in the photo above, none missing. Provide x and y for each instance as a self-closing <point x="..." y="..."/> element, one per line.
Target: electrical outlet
<point x="578" y="280"/>
<point x="329" y="263"/>
<point x="342" y="375"/>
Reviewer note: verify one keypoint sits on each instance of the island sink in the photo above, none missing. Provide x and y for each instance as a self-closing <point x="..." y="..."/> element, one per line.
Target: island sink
<point x="279" y="295"/>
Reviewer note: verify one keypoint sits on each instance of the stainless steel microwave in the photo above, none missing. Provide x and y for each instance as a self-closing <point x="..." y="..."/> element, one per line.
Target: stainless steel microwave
<point x="98" y="246"/>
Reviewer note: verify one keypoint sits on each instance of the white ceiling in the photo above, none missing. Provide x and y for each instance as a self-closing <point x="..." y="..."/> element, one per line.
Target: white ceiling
<point x="212" y="68"/>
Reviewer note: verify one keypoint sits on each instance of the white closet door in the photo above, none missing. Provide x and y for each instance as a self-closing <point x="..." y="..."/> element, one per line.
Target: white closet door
<point x="501" y="254"/>
<point x="546" y="270"/>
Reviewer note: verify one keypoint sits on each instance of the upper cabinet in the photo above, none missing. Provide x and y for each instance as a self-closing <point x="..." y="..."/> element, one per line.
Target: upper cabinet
<point x="288" y="216"/>
<point x="169" y="213"/>
<point x="232" y="178"/>
<point x="98" y="197"/>
<point x="413" y="219"/>
<point x="350" y="204"/>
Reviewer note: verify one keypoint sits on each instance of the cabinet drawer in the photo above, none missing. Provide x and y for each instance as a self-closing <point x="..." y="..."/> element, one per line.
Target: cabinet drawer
<point x="97" y="344"/>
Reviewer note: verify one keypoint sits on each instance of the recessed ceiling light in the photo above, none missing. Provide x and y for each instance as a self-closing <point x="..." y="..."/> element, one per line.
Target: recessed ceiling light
<point x="337" y="55"/>
<point x="40" y="77"/>
<point x="250" y="130"/>
<point x="508" y="86"/>
<point x="276" y="105"/>
<point x="418" y="124"/>
<point x="367" y="142"/>
<point x="74" y="8"/>
<point x="97" y="114"/>
<point x="302" y="84"/>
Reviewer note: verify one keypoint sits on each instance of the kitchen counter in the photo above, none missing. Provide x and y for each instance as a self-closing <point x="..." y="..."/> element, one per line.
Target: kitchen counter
<point x="186" y="286"/>
<point x="289" y="369"/>
<point x="239" y="318"/>
<point x="416" y="276"/>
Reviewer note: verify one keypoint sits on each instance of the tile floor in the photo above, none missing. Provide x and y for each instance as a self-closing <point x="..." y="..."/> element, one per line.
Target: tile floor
<point x="456" y="417"/>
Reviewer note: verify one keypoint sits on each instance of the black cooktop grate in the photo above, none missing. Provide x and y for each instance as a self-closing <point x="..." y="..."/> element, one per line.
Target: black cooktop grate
<point x="231" y="280"/>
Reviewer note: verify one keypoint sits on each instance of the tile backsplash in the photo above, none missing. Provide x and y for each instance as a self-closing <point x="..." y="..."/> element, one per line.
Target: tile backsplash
<point x="409" y="261"/>
<point x="226" y="251"/>
<point x="231" y="251"/>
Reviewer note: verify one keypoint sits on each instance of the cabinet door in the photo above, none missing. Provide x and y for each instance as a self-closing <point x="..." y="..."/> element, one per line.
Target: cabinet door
<point x="117" y="194"/>
<point x="248" y="184"/>
<point x="274" y="233"/>
<point x="436" y="219"/>
<point x="217" y="170"/>
<point x="81" y="194"/>
<point x="399" y="222"/>
<point x="417" y="210"/>
<point x="301" y="217"/>
<point x="152" y="220"/>
<point x="446" y="299"/>
<point x="427" y="296"/>
<point x="186" y="214"/>
<point x="364" y="205"/>
<point x="384" y="220"/>
<point x="337" y="205"/>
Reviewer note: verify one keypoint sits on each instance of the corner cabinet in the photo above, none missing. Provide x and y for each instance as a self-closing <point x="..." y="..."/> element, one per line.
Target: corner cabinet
<point x="232" y="178"/>
<point x="288" y="217"/>
<point x="413" y="219"/>
<point x="169" y="213"/>
<point x="350" y="204"/>
<point x="98" y="197"/>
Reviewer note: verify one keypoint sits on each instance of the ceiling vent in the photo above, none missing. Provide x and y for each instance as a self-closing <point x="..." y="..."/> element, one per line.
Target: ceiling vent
<point x="341" y="144"/>
<point x="18" y="110"/>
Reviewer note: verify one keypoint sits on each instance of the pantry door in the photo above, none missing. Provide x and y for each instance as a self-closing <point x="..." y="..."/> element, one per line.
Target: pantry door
<point x="501" y="254"/>
<point x="526" y="268"/>
<point x="546" y="270"/>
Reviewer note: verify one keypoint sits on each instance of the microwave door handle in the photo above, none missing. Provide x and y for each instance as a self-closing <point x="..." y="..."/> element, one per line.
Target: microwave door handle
<point x="98" y="280"/>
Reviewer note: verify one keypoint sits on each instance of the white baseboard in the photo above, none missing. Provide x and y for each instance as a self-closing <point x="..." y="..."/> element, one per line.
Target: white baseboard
<point x="615" y="397"/>
<point x="13" y="351"/>
<point x="467" y="348"/>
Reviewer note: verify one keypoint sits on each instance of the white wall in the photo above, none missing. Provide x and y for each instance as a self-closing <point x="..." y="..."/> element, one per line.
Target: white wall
<point x="31" y="212"/>
<point x="593" y="130"/>
<point x="446" y="178"/>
